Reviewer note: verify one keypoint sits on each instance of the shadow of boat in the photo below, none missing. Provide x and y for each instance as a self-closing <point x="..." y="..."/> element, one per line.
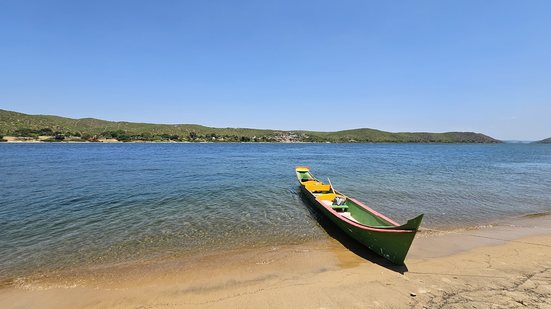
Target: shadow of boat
<point x="350" y="243"/>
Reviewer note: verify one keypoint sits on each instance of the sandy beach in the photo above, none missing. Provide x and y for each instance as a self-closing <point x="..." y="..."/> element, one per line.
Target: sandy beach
<point x="506" y="265"/>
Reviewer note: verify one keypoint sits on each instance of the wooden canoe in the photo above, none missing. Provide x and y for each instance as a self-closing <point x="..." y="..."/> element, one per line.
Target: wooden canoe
<point x="372" y="229"/>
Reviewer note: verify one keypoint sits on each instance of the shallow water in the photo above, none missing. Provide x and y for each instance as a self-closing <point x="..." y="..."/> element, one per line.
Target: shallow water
<point x="66" y="205"/>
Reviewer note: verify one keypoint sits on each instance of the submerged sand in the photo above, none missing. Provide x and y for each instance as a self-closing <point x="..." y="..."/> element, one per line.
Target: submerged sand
<point x="503" y="266"/>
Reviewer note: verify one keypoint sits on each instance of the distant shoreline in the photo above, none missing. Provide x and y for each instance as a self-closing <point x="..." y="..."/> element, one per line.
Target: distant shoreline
<point x="55" y="128"/>
<point x="27" y="140"/>
<point x="187" y="142"/>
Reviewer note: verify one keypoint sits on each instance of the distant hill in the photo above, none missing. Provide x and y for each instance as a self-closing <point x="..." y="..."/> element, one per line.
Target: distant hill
<point x="55" y="128"/>
<point x="545" y="141"/>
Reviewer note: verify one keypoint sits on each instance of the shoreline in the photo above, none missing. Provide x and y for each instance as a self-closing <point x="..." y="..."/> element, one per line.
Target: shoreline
<point x="330" y="234"/>
<point x="56" y="126"/>
<point x="443" y="266"/>
<point x="204" y="142"/>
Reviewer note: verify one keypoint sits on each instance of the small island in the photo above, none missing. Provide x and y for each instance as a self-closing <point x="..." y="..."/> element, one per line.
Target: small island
<point x="545" y="141"/>
<point x="19" y="127"/>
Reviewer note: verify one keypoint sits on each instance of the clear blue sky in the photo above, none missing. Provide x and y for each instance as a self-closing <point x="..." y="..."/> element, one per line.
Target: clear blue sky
<point x="437" y="66"/>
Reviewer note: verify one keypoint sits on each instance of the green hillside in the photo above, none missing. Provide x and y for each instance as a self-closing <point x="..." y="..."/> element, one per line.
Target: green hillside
<point x="61" y="128"/>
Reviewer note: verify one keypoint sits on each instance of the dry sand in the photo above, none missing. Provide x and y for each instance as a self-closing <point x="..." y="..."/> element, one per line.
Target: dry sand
<point x="504" y="266"/>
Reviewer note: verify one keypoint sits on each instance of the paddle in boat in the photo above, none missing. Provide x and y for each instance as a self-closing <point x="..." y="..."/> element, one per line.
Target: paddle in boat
<point x="372" y="229"/>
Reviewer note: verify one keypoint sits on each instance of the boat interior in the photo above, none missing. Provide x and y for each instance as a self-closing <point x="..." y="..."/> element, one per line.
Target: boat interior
<point x="327" y="195"/>
<point x="339" y="202"/>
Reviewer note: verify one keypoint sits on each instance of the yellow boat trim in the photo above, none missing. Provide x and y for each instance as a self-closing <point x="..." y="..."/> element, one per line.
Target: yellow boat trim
<point x="302" y="169"/>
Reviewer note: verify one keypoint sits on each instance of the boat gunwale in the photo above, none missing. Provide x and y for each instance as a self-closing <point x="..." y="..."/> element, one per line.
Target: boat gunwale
<point x="350" y="222"/>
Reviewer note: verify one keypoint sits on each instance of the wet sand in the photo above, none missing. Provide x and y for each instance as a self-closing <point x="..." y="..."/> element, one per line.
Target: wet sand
<point x="507" y="265"/>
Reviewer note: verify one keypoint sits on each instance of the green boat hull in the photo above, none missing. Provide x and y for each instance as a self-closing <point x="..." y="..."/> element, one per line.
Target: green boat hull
<point x="373" y="230"/>
<point x="393" y="246"/>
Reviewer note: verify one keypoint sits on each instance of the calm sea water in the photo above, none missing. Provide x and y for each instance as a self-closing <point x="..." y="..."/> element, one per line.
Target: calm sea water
<point x="65" y="205"/>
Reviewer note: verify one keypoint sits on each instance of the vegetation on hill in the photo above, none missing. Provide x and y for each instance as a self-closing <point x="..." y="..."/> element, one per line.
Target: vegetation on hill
<point x="55" y="128"/>
<point x="545" y="141"/>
